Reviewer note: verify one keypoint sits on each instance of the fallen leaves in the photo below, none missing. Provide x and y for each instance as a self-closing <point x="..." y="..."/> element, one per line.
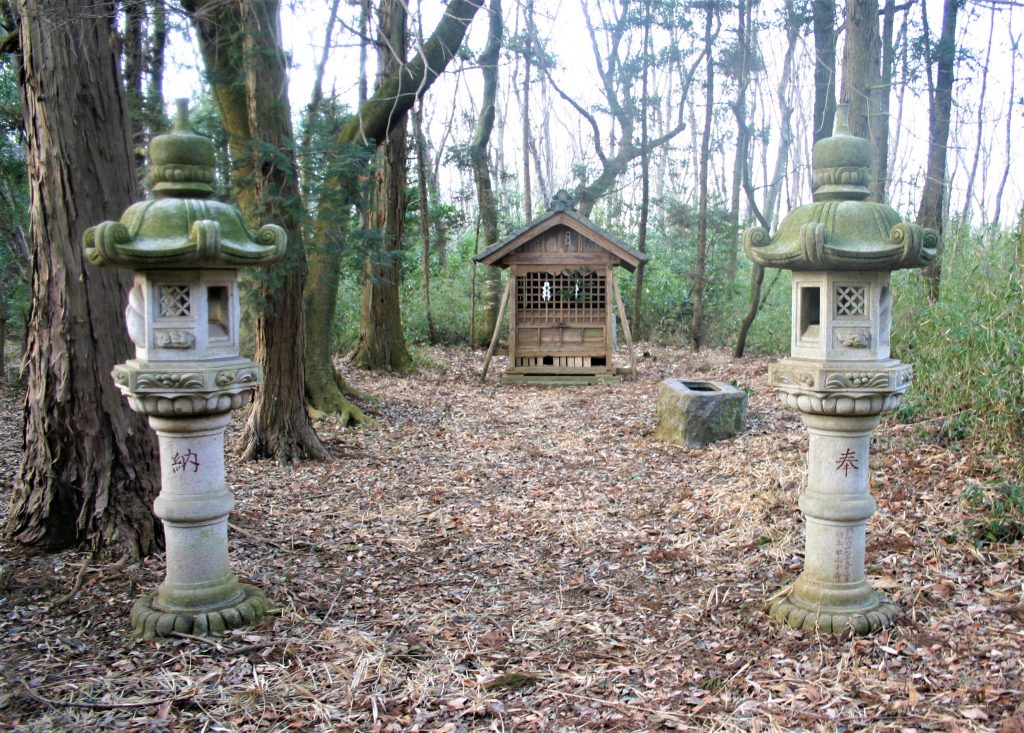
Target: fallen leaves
<point x="530" y="559"/>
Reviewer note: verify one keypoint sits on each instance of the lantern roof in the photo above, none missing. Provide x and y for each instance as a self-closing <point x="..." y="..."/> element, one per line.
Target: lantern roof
<point x="562" y="212"/>
<point x="182" y="225"/>
<point x="841" y="230"/>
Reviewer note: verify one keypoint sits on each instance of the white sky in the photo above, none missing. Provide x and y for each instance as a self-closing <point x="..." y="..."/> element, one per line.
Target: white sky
<point x="304" y="24"/>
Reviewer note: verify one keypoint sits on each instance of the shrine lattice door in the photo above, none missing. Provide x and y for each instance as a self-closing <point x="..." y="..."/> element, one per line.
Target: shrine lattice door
<point x="561" y="321"/>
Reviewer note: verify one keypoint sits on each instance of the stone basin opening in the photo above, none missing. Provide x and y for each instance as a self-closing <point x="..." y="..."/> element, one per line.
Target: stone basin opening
<point x="701" y="386"/>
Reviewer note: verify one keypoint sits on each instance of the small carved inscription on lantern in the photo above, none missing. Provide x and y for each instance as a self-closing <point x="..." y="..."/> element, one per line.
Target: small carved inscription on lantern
<point x="184" y="461"/>
<point x="843" y="557"/>
<point x="847" y="462"/>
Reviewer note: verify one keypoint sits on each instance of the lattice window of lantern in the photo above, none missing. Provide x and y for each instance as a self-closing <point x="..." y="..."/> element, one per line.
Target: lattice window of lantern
<point x="565" y="297"/>
<point x="175" y="301"/>
<point x="851" y="300"/>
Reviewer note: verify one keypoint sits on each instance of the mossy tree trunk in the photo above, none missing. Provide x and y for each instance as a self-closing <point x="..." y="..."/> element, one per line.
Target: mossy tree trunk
<point x="88" y="470"/>
<point x="381" y="343"/>
<point x="491" y="279"/>
<point x="247" y="68"/>
<point x="376" y="115"/>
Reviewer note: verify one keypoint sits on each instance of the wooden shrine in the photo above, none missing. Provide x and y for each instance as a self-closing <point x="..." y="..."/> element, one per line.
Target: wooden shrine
<point x="563" y="295"/>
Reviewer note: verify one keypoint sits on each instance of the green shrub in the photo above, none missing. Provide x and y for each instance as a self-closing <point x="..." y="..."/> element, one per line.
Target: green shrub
<point x="968" y="348"/>
<point x="1002" y="512"/>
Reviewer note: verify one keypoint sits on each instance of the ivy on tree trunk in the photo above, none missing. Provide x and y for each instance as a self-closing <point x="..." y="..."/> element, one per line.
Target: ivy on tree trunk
<point x="241" y="45"/>
<point x="491" y="280"/>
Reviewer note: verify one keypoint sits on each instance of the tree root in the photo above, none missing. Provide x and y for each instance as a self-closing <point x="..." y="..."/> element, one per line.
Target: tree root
<point x="330" y="396"/>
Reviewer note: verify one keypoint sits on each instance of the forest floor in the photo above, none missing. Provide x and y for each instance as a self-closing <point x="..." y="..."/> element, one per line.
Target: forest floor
<point x="491" y="558"/>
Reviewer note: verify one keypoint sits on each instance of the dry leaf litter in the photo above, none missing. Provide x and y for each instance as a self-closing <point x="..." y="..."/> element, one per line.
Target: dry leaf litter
<point x="517" y="558"/>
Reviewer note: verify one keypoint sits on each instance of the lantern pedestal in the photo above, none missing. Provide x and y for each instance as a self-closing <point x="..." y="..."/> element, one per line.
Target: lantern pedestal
<point x="831" y="595"/>
<point x="200" y="594"/>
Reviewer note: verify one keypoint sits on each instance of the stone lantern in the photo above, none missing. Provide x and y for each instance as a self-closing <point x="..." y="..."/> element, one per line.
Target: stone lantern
<point x="840" y="376"/>
<point x="183" y="315"/>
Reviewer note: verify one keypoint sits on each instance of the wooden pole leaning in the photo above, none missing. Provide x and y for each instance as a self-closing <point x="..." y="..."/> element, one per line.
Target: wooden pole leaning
<point x="625" y="325"/>
<point x="497" y="327"/>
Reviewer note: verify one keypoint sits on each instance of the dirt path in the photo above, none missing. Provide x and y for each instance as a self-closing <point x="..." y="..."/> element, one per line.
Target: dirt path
<point x="518" y="558"/>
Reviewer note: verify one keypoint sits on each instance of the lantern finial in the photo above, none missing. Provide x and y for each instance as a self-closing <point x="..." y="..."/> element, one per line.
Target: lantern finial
<point x="182" y="162"/>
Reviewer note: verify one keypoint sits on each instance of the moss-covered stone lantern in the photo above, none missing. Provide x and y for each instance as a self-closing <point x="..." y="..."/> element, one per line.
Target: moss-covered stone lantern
<point x="183" y="315"/>
<point x="840" y="376"/>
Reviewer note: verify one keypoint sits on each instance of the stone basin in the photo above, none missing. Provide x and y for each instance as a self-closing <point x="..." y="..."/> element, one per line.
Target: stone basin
<point x="694" y="413"/>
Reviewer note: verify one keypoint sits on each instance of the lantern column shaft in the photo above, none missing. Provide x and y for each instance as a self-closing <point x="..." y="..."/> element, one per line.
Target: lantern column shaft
<point x="832" y="594"/>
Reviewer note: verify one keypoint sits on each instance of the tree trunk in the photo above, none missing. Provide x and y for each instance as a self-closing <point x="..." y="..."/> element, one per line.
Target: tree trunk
<point x="4" y="315"/>
<point x="132" y="42"/>
<point x="381" y="342"/>
<point x="774" y="189"/>
<point x="880" y="168"/>
<point x="697" y="324"/>
<point x="364" y="42"/>
<point x="1008" y="139"/>
<point x="389" y="104"/>
<point x="860" y="65"/>
<point x="482" y="176"/>
<point x="527" y="136"/>
<point x="756" y="280"/>
<point x="743" y="19"/>
<point x="155" y="113"/>
<point x="824" y="19"/>
<point x="645" y="179"/>
<point x="88" y="470"/>
<point x="316" y="97"/>
<point x="326" y="391"/>
<point x="250" y="86"/>
<point x="424" y="201"/>
<point x="793" y="27"/>
<point x="933" y="198"/>
<point x="980" y="123"/>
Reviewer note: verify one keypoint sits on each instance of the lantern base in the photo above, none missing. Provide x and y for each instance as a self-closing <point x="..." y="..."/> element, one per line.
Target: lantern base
<point x="872" y="613"/>
<point x="246" y="607"/>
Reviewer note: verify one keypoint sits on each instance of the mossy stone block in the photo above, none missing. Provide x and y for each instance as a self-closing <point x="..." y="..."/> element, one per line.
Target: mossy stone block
<point x="693" y="413"/>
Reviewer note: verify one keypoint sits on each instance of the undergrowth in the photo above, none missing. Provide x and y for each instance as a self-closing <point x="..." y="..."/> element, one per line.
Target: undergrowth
<point x="968" y="347"/>
<point x="1001" y="510"/>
